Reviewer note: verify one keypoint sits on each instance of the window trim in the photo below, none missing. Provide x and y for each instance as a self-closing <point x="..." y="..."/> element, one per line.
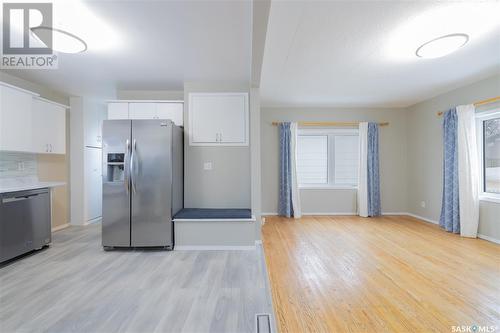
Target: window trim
<point x="480" y="118"/>
<point x="330" y="133"/>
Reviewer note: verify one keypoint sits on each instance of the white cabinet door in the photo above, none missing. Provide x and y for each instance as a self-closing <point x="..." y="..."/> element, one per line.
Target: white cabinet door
<point x="49" y="127"/>
<point x="93" y="183"/>
<point x="94" y="113"/>
<point x="218" y="119"/>
<point x="41" y="126"/>
<point x="233" y="119"/>
<point x="101" y="116"/>
<point x="57" y="137"/>
<point x="118" y="110"/>
<point x="15" y="120"/>
<point x="172" y="111"/>
<point x="203" y="115"/>
<point x="142" y="110"/>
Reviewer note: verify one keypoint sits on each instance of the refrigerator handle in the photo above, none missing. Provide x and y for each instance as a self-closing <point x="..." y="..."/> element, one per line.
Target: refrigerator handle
<point x="132" y="165"/>
<point x="126" y="179"/>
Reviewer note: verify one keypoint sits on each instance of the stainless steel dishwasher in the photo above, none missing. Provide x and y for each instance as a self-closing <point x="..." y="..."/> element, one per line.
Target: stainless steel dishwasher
<point x="24" y="222"/>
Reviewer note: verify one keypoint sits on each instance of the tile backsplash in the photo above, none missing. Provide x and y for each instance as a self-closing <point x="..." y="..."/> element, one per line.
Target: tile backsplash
<point x="13" y="165"/>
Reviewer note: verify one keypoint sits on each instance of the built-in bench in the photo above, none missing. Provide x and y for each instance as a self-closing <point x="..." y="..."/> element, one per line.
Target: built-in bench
<point x="214" y="229"/>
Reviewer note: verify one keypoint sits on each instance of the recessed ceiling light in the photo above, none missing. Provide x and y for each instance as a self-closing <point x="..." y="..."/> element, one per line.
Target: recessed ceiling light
<point x="442" y="46"/>
<point x="63" y="41"/>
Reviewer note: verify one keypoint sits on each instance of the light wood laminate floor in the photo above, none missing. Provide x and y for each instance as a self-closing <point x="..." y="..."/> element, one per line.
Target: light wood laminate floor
<point x="388" y="274"/>
<point x="75" y="286"/>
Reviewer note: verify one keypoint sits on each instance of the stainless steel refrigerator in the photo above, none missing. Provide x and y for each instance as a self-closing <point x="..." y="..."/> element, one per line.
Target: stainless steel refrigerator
<point x="142" y="182"/>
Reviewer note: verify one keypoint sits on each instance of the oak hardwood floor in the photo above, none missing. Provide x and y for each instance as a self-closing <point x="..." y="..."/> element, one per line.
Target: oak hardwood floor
<point x="387" y="274"/>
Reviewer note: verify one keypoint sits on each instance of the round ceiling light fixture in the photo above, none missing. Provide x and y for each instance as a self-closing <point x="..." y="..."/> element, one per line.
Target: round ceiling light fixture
<point x="63" y="41"/>
<point x="441" y="46"/>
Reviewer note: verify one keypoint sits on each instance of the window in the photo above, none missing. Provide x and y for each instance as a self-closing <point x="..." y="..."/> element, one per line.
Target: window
<point x="488" y="132"/>
<point x="327" y="158"/>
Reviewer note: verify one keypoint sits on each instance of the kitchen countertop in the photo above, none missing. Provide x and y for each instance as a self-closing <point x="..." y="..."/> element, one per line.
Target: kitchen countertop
<point x="28" y="186"/>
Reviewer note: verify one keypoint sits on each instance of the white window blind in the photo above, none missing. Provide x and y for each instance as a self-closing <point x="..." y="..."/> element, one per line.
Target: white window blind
<point x="346" y="159"/>
<point x="312" y="159"/>
<point x="327" y="158"/>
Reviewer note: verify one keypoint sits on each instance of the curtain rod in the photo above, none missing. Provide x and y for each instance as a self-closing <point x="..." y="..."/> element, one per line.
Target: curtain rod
<point x="329" y="123"/>
<point x="479" y="103"/>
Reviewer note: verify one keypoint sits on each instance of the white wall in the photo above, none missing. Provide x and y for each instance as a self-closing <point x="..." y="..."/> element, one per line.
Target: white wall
<point x="425" y="153"/>
<point x="393" y="159"/>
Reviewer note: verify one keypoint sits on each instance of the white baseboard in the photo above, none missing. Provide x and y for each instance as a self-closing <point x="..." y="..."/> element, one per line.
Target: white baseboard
<point x="85" y="223"/>
<point x="329" y="214"/>
<point x="316" y="214"/>
<point x="96" y="220"/>
<point x="213" y="248"/>
<point x="394" y="213"/>
<point x="422" y="218"/>
<point x="488" y="238"/>
<point x="60" y="227"/>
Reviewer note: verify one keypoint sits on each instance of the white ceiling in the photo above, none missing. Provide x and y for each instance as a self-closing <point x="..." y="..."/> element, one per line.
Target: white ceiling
<point x="156" y="45"/>
<point x="361" y="53"/>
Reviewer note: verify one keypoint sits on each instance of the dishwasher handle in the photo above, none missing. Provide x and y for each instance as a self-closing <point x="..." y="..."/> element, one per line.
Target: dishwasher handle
<point x="20" y="198"/>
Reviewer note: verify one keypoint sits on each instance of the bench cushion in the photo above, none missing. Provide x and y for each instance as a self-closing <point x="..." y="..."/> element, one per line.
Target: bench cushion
<point x="213" y="213"/>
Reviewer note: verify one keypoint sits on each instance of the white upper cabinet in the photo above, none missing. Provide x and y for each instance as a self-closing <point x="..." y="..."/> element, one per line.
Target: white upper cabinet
<point x="49" y="127"/>
<point x="118" y="110"/>
<point x="29" y="123"/>
<point x="218" y="119"/>
<point x="15" y="119"/>
<point x="142" y="110"/>
<point x="172" y="110"/>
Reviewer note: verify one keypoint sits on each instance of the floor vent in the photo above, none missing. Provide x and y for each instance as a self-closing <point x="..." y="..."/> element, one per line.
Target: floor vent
<point x="263" y="323"/>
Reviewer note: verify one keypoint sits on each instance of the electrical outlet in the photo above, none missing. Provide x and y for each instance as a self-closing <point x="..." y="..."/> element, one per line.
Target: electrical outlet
<point x="20" y="166"/>
<point x="207" y="166"/>
<point x="422" y="204"/>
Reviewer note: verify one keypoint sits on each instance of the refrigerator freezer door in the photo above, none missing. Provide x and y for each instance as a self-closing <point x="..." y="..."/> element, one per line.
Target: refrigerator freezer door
<point x="115" y="180"/>
<point x="151" y="178"/>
